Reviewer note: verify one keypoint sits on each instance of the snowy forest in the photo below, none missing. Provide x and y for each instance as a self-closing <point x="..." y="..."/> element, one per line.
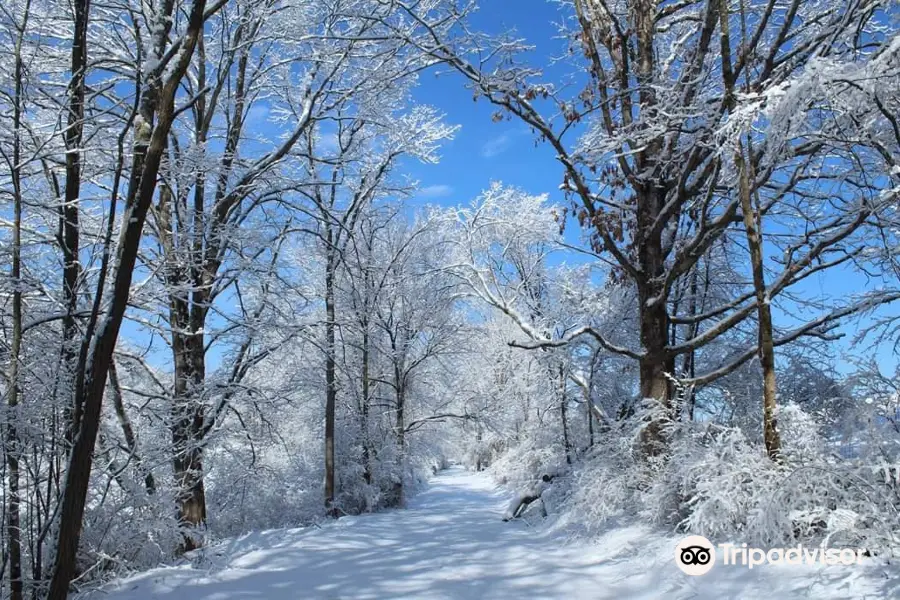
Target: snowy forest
<point x="229" y="304"/>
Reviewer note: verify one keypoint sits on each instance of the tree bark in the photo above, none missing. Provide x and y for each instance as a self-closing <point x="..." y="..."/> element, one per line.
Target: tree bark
<point x="68" y="213"/>
<point x="367" y="453"/>
<point x="69" y="227"/>
<point x="190" y="286"/>
<point x="590" y="420"/>
<point x="188" y="354"/>
<point x="188" y="419"/>
<point x="655" y="364"/>
<point x="563" y="410"/>
<point x="330" y="374"/>
<point x="401" y="433"/>
<point x="753" y="227"/>
<point x="690" y="358"/>
<point x="479" y="463"/>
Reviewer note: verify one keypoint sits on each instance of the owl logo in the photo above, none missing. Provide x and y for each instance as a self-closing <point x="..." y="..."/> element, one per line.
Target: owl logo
<point x="695" y="555"/>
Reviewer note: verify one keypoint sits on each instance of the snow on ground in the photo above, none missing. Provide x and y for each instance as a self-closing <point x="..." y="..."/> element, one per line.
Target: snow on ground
<point x="452" y="543"/>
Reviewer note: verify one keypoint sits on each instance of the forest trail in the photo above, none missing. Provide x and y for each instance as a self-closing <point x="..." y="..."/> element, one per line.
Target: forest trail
<point x="450" y="543"/>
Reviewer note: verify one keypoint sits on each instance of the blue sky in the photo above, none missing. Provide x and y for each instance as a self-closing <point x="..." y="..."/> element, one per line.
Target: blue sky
<point x="484" y="151"/>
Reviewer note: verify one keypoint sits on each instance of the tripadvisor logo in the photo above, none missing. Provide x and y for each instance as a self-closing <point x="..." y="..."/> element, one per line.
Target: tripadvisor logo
<point x="696" y="555"/>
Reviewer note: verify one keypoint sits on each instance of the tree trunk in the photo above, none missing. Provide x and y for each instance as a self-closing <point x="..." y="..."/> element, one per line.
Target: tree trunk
<point x="191" y="503"/>
<point x="128" y="429"/>
<point x="149" y="142"/>
<point x="563" y="410"/>
<point x="401" y="435"/>
<point x="655" y="364"/>
<point x="590" y="421"/>
<point x="654" y="388"/>
<point x="330" y="375"/>
<point x="753" y="227"/>
<point x="187" y="319"/>
<point x="187" y="431"/>
<point x="654" y="334"/>
<point x="68" y="213"/>
<point x="13" y="443"/>
<point x="478" y="454"/>
<point x="367" y="453"/>
<point x="689" y="365"/>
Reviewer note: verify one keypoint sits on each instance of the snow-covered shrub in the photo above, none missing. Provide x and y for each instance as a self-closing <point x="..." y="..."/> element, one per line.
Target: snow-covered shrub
<point x="274" y="490"/>
<point x="718" y="482"/>
<point x="601" y="489"/>
<point x="708" y="482"/>
<point x="526" y="465"/>
<point x="126" y="531"/>
<point x="732" y="489"/>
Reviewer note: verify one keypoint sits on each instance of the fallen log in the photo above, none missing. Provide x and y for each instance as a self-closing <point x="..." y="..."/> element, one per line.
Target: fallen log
<point x="521" y="502"/>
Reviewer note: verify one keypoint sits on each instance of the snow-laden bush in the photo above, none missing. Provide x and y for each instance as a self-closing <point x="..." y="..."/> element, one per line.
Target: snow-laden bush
<point x="718" y="482"/>
<point x="274" y="490"/>
<point x="730" y="488"/>
<point x="526" y="465"/>
<point x="122" y="531"/>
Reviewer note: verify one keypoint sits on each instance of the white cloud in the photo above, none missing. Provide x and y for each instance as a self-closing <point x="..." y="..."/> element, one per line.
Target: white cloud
<point x="436" y="191"/>
<point x="496" y="146"/>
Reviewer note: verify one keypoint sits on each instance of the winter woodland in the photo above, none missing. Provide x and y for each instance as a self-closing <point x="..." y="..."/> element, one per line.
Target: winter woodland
<point x="226" y="307"/>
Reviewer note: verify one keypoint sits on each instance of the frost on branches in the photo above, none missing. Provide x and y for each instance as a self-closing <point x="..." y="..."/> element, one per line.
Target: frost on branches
<point x="225" y="306"/>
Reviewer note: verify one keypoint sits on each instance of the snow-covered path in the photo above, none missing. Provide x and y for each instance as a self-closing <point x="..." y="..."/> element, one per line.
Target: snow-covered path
<point x="451" y="543"/>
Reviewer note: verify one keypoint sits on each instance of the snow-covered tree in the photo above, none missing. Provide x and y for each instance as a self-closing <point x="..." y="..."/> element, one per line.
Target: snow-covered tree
<point x="647" y="148"/>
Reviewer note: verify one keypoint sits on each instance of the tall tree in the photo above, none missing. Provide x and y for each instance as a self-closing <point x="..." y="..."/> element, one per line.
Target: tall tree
<point x="69" y="232"/>
<point x="642" y="163"/>
<point x="157" y="112"/>
<point x="13" y="449"/>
